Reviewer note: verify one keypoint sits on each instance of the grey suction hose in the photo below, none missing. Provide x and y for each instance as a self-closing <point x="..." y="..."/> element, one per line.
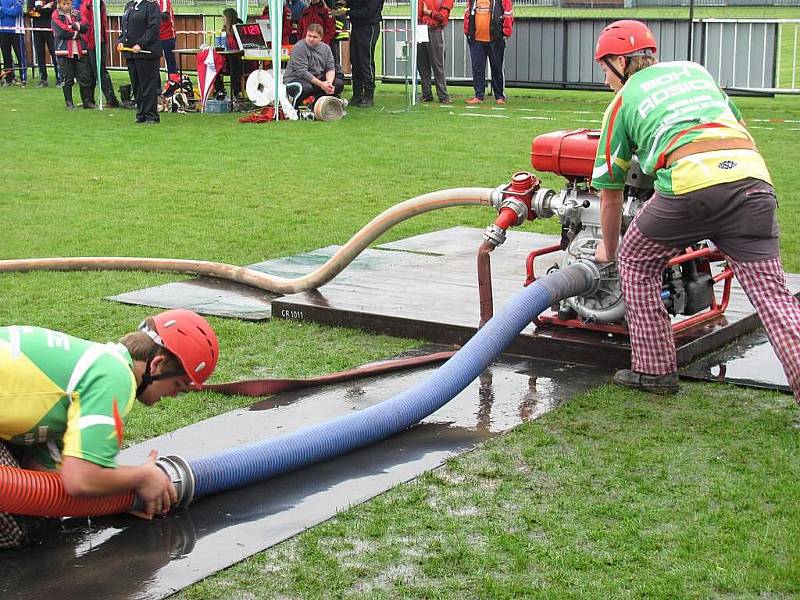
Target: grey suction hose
<point x="335" y="265"/>
<point x="238" y="467"/>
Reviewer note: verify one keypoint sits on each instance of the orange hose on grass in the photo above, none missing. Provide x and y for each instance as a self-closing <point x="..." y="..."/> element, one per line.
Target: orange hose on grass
<point x="42" y="494"/>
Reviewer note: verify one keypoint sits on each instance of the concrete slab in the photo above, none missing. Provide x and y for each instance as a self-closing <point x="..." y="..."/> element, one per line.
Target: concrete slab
<point x="125" y="558"/>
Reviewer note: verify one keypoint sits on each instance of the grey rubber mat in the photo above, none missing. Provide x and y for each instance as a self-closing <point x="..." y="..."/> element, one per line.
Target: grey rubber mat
<point x="123" y="557"/>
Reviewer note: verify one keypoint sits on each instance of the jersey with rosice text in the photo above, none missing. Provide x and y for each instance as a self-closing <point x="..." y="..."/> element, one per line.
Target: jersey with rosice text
<point x="661" y="108"/>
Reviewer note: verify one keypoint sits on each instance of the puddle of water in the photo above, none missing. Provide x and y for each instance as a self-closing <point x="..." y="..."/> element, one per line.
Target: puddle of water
<point x="750" y="361"/>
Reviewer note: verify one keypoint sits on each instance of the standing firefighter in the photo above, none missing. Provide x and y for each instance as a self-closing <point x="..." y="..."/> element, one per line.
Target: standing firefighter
<point x="710" y="183"/>
<point x="64" y="402"/>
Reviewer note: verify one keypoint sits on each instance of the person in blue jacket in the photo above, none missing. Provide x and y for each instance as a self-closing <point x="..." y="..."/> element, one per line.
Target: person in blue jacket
<point x="11" y="39"/>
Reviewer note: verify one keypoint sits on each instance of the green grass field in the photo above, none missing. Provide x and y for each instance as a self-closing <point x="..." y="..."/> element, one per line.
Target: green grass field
<point x="616" y="494"/>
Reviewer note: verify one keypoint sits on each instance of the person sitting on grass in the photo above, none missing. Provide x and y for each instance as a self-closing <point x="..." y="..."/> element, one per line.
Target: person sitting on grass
<point x="311" y="65"/>
<point x="64" y="402"/>
<point x="68" y="31"/>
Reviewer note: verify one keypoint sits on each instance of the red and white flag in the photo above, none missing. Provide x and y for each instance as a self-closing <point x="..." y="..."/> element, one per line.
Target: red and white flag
<point x="209" y="64"/>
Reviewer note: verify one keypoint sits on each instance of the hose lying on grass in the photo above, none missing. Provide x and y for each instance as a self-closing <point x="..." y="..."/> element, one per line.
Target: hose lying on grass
<point x="335" y="265"/>
<point x="238" y="467"/>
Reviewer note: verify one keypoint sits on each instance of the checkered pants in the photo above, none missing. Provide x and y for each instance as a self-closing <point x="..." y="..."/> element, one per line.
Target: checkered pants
<point x="11" y="535"/>
<point x="641" y="262"/>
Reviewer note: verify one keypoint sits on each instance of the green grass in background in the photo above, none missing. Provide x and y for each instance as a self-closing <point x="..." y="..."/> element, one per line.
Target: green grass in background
<point x="616" y="494"/>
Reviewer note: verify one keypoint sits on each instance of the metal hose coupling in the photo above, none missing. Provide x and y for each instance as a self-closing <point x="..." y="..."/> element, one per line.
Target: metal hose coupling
<point x="181" y="476"/>
<point x="581" y="278"/>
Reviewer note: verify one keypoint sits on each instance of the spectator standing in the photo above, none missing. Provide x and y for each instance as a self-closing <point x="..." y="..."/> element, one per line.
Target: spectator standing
<point x="168" y="36"/>
<point x="341" y="26"/>
<point x="710" y="183"/>
<point x="487" y="24"/>
<point x="433" y="14"/>
<point x="296" y="8"/>
<point x="87" y="17"/>
<point x="365" y="18"/>
<point x="64" y="403"/>
<point x="318" y="12"/>
<point x="140" y="44"/>
<point x="12" y="38"/>
<point x="312" y="66"/>
<point x="287" y="27"/>
<point x="41" y="14"/>
<point x="69" y="32"/>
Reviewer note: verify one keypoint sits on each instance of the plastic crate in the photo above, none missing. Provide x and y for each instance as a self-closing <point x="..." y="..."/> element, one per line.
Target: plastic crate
<point x="218" y="106"/>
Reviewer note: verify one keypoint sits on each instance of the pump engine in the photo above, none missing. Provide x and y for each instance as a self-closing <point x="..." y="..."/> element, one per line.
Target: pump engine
<point x="687" y="285"/>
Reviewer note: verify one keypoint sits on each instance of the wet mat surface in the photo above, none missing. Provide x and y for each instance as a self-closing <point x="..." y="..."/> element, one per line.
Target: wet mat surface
<point x="425" y="287"/>
<point x="750" y="362"/>
<point x="122" y="557"/>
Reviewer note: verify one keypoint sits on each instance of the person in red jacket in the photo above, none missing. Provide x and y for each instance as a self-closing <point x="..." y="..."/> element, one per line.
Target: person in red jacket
<point x="317" y="12"/>
<point x="87" y="17"/>
<point x="167" y="35"/>
<point x="289" y="27"/>
<point x="68" y="31"/>
<point x="434" y="14"/>
<point x="487" y="24"/>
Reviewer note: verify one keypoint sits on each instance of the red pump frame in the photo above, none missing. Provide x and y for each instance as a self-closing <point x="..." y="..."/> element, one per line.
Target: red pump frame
<point x="716" y="309"/>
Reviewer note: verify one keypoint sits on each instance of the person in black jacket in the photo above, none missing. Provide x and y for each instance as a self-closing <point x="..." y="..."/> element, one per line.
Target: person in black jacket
<point x="365" y="19"/>
<point x="141" y="46"/>
<point x="41" y="14"/>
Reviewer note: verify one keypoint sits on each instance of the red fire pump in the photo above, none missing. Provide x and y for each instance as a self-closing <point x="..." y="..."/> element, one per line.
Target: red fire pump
<point x="688" y="280"/>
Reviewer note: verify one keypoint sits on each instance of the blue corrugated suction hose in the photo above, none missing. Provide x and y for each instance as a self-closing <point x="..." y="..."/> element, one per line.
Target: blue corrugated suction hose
<point x="261" y="460"/>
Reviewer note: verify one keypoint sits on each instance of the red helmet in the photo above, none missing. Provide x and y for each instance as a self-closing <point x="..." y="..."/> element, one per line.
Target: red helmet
<point x="189" y="337"/>
<point x="624" y="38"/>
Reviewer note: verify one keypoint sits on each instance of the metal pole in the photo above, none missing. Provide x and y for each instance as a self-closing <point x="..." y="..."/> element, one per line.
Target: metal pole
<point x="691" y="29"/>
<point x="98" y="50"/>
<point x="414" y="20"/>
<point x="276" y="26"/>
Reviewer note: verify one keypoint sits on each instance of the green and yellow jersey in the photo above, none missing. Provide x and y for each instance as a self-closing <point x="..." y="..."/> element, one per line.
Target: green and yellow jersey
<point x="662" y="108"/>
<point x="63" y="396"/>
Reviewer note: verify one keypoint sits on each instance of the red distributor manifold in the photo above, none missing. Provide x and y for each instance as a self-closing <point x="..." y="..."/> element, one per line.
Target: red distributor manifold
<point x="42" y="494"/>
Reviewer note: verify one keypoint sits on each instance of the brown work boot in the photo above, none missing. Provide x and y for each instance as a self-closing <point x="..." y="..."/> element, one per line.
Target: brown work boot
<point x="655" y="384"/>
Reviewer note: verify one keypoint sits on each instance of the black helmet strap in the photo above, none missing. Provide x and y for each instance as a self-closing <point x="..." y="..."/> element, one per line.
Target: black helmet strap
<point x="613" y="69"/>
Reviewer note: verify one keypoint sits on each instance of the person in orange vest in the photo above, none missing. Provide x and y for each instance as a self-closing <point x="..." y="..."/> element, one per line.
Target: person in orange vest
<point x="487" y="24"/>
<point x="433" y="14"/>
